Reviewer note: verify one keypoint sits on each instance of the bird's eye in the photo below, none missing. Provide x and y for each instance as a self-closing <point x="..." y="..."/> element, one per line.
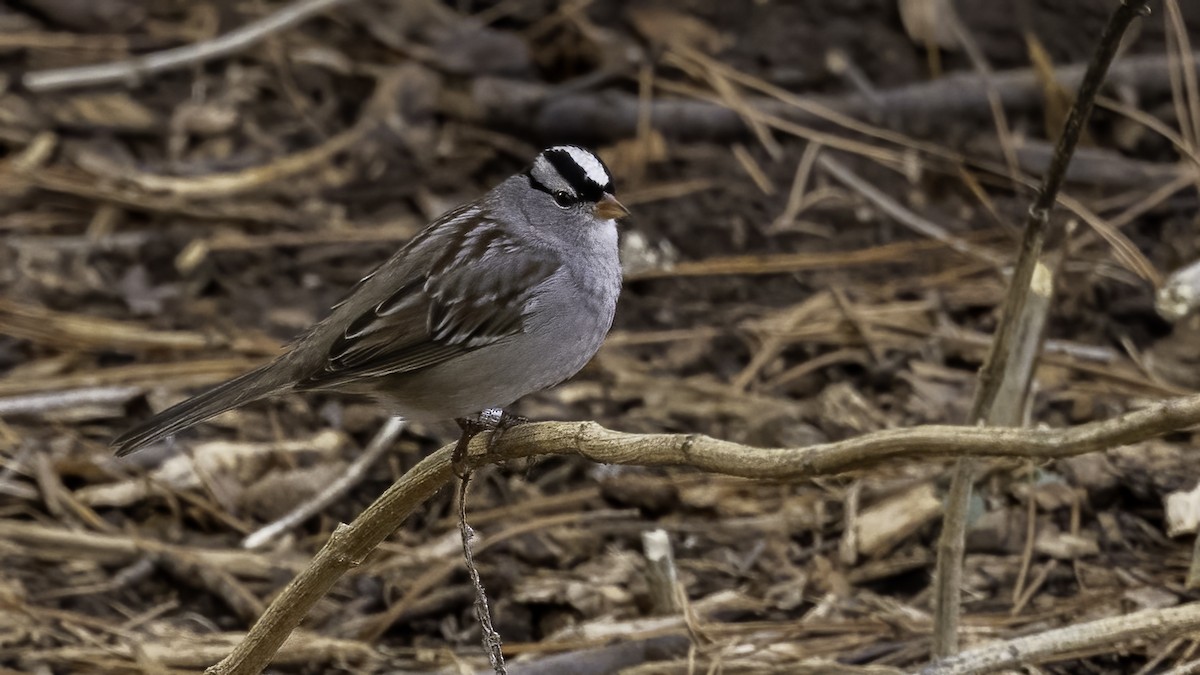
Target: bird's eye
<point x="563" y="198"/>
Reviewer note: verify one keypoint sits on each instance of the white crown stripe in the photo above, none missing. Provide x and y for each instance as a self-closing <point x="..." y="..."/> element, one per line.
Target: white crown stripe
<point x="591" y="166"/>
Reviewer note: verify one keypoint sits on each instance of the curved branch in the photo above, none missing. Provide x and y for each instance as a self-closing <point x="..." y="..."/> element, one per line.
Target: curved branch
<point x="350" y="544"/>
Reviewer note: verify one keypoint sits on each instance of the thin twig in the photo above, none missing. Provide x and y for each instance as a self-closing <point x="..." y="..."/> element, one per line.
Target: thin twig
<point x="614" y="658"/>
<point x="248" y="179"/>
<point x="350" y="544"/>
<point x="796" y="195"/>
<point x="1192" y="581"/>
<point x="549" y="112"/>
<point x="350" y="477"/>
<point x="987" y="406"/>
<point x="134" y="70"/>
<point x="980" y="62"/>
<point x="1124" y="251"/>
<point x="1189" y="668"/>
<point x="492" y="644"/>
<point x="52" y="543"/>
<point x="1149" y="625"/>
<point x="1187" y="100"/>
<point x="902" y="215"/>
<point x="40" y="403"/>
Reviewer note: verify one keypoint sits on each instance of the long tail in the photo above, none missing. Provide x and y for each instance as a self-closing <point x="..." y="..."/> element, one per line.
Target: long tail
<point x="258" y="383"/>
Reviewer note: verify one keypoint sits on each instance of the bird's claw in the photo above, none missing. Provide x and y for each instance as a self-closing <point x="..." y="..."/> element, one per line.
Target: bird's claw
<point x="495" y="420"/>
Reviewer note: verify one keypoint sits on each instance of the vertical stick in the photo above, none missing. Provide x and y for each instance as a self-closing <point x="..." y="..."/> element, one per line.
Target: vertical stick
<point x="1004" y="377"/>
<point x="492" y="644"/>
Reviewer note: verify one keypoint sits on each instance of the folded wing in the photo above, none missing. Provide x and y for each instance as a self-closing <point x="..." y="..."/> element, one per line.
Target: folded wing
<point x="475" y="293"/>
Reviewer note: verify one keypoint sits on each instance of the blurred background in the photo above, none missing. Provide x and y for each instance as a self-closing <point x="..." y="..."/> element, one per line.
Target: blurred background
<point x="826" y="199"/>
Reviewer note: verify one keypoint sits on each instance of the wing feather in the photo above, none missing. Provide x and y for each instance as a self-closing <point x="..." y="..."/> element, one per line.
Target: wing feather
<point x="474" y="293"/>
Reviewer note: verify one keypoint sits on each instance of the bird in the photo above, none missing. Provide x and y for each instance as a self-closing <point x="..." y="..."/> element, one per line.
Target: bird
<point x="496" y="299"/>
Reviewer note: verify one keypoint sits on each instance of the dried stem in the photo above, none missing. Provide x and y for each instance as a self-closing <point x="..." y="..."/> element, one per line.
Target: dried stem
<point x="353" y="474"/>
<point x="1193" y="576"/>
<point x="492" y="644"/>
<point x="901" y="214"/>
<point x="662" y="578"/>
<point x="548" y="111"/>
<point x="350" y="544"/>
<point x="1149" y="625"/>
<point x="133" y="70"/>
<point x="1004" y="371"/>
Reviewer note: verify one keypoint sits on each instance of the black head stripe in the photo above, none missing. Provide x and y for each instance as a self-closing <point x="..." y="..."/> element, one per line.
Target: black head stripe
<point x="576" y="177"/>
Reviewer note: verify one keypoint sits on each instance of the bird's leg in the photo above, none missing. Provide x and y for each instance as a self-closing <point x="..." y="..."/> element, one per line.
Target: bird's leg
<point x="458" y="461"/>
<point x="499" y="421"/>
<point x="495" y="420"/>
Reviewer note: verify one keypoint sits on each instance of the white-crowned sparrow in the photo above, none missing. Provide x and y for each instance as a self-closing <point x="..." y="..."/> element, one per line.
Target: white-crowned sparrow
<point x="498" y="298"/>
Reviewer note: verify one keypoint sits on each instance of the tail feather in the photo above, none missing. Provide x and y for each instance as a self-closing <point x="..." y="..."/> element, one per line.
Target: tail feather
<point x="256" y="384"/>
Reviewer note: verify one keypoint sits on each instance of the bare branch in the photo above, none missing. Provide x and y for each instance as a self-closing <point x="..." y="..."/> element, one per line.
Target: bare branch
<point x="36" y="404"/>
<point x="1148" y="625"/>
<point x="549" y="112"/>
<point x="135" y="69"/>
<point x="350" y="544"/>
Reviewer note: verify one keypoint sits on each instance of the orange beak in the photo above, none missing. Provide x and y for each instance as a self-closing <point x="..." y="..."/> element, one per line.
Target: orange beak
<point x="609" y="208"/>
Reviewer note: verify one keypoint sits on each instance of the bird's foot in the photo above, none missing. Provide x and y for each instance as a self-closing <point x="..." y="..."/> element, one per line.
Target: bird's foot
<point x="499" y="421"/>
<point x="495" y="420"/>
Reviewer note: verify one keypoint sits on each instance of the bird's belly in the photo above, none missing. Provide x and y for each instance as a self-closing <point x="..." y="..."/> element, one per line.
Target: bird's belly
<point x="552" y="350"/>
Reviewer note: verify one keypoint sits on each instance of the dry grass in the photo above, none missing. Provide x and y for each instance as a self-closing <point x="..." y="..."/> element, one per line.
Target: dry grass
<point x="161" y="237"/>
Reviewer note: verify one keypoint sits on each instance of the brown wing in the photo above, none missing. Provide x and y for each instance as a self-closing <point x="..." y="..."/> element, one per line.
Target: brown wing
<point x="473" y="294"/>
